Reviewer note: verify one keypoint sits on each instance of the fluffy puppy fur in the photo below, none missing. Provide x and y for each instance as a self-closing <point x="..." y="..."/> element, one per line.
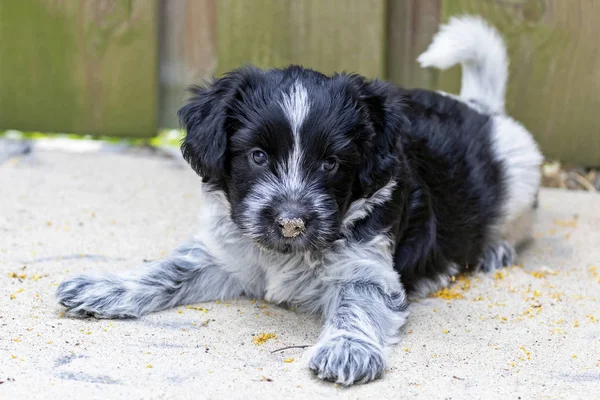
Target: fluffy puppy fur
<point x="389" y="191"/>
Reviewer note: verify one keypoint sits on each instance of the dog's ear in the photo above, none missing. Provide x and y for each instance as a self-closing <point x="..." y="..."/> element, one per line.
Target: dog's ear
<point x="206" y="118"/>
<point x="382" y="154"/>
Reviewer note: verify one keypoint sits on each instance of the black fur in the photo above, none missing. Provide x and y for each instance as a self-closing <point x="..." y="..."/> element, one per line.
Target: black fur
<point x="449" y="188"/>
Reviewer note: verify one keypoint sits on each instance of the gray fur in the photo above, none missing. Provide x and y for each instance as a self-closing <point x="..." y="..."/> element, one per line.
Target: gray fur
<point x="352" y="285"/>
<point x="501" y="254"/>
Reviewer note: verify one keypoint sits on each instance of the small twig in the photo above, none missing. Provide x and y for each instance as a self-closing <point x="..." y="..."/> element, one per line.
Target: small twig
<point x="456" y="377"/>
<point x="300" y="346"/>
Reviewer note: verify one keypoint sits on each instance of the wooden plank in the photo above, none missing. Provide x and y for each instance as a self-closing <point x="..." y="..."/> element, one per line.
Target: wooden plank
<point x="329" y="36"/>
<point x="411" y="25"/>
<point x="342" y="35"/>
<point x="79" y="66"/>
<point x="555" y="70"/>
<point x="188" y="53"/>
<point x="252" y="32"/>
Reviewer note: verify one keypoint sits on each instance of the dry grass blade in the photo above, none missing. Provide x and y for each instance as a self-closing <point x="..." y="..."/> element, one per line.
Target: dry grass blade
<point x="300" y="346"/>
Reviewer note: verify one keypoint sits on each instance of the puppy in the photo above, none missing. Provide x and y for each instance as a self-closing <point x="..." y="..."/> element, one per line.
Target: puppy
<point x="340" y="195"/>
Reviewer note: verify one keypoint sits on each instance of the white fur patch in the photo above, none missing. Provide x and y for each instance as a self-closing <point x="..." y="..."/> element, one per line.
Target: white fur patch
<point x="296" y="106"/>
<point x="361" y="208"/>
<point x="515" y="147"/>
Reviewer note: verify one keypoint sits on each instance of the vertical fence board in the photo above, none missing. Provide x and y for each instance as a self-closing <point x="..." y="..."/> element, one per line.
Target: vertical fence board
<point x="410" y="26"/>
<point x="335" y="36"/>
<point x="555" y="70"/>
<point x="188" y="53"/>
<point x="325" y="35"/>
<point x="85" y="66"/>
<point x="252" y="32"/>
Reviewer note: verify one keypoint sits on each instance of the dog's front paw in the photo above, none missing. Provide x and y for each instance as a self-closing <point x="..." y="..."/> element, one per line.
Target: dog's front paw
<point x="86" y="296"/>
<point x="347" y="358"/>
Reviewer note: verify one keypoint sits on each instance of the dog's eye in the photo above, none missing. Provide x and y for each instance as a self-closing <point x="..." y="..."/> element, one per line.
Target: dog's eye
<point x="259" y="157"/>
<point x="330" y="164"/>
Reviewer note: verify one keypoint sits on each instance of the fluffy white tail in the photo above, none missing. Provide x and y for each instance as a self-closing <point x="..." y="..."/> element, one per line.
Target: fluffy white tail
<point x="480" y="49"/>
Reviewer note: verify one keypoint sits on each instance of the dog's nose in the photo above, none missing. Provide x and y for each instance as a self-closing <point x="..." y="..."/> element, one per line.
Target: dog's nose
<point x="290" y="226"/>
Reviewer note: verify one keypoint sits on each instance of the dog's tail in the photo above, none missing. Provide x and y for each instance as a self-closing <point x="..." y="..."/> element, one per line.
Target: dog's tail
<point x="480" y="49"/>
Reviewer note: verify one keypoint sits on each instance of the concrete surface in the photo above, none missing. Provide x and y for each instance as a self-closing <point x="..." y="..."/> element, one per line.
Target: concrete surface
<point x="528" y="332"/>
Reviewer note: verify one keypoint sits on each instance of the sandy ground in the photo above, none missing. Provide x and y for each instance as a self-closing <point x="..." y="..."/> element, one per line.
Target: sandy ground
<point x="528" y="332"/>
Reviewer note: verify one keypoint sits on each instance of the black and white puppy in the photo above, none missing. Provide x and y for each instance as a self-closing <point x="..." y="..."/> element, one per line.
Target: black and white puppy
<point x="340" y="195"/>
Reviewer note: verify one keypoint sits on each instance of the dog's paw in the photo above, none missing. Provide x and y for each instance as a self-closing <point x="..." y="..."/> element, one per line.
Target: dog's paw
<point x="347" y="358"/>
<point x="497" y="256"/>
<point x="86" y="296"/>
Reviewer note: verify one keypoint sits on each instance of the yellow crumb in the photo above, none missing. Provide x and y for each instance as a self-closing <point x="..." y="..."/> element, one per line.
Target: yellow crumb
<point x="536" y="293"/>
<point x="263" y="338"/>
<point x="576" y="324"/>
<point x="12" y="296"/>
<point x="89" y="332"/>
<point x="406" y="349"/>
<point x="445" y="331"/>
<point x="20" y="290"/>
<point x="50" y="342"/>
<point x="179" y="311"/>
<point x="574" y="356"/>
<point x="289" y="360"/>
<point x="149" y="366"/>
<point x="566" y="224"/>
<point x="528" y="353"/>
<point x="499" y="275"/>
<point x="13" y="356"/>
<point x="448" y="294"/>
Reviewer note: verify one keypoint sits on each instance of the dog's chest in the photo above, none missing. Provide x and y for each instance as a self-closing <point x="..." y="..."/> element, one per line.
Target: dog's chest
<point x="279" y="278"/>
<point x="291" y="279"/>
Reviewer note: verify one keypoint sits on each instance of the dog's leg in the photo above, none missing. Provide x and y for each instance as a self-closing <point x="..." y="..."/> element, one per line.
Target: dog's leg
<point x="188" y="275"/>
<point x="364" y="307"/>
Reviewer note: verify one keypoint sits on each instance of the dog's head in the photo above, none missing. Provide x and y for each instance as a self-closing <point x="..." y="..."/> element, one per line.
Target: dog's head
<point x="292" y="148"/>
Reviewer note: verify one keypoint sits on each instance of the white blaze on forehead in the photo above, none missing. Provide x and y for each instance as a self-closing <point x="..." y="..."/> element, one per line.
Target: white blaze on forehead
<point x="295" y="106"/>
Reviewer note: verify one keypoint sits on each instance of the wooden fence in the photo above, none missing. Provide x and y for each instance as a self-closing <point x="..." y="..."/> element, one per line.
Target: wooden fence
<point x="119" y="67"/>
